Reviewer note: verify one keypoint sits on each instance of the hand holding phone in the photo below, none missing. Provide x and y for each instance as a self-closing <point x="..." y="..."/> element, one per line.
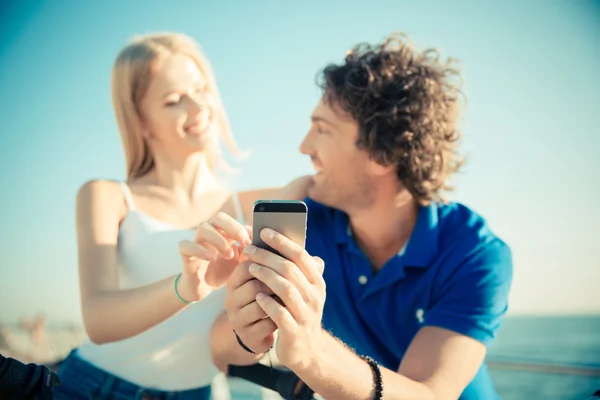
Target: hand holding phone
<point x="246" y="317"/>
<point x="290" y="293"/>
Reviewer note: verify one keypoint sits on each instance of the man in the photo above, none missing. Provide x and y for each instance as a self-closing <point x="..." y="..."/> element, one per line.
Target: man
<point x="415" y="287"/>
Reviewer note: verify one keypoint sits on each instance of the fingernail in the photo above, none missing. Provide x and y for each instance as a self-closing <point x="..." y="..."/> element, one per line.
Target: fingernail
<point x="250" y="249"/>
<point x="260" y="296"/>
<point x="230" y="253"/>
<point x="269" y="234"/>
<point x="254" y="268"/>
<point x="247" y="242"/>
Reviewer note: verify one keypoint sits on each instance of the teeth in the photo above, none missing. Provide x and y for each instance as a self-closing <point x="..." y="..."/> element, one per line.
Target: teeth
<point x="196" y="129"/>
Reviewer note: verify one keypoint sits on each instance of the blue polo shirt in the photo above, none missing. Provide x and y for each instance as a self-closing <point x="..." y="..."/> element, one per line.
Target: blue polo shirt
<point x="453" y="273"/>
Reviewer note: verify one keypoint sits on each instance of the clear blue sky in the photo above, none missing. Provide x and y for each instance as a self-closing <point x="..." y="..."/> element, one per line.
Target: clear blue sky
<point x="532" y="73"/>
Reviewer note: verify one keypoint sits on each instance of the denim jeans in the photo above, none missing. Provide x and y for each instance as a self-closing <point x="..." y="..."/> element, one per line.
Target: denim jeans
<point x="83" y="381"/>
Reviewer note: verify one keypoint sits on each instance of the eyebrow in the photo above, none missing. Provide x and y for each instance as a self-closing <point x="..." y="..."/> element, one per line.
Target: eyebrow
<point x="317" y="118"/>
<point x="204" y="89"/>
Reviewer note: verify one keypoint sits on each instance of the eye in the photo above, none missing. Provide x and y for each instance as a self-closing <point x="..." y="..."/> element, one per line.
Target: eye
<point x="173" y="100"/>
<point x="320" y="130"/>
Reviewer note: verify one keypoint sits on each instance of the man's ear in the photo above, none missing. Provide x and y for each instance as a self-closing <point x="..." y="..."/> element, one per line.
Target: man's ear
<point x="381" y="170"/>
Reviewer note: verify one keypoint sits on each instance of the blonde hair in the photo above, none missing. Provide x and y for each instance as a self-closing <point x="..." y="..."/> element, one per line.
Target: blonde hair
<point x="131" y="76"/>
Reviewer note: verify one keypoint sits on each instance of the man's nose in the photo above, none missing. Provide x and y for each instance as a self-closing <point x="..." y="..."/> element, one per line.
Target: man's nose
<point x="306" y="147"/>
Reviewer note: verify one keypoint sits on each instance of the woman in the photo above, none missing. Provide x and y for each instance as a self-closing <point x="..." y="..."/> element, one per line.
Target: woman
<point x="147" y="317"/>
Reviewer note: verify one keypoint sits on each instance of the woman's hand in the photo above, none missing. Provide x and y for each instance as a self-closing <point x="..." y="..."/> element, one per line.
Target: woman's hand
<point x="210" y="258"/>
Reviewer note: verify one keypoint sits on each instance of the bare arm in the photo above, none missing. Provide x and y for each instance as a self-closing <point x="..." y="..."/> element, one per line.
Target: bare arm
<point x="439" y="364"/>
<point x="111" y="314"/>
<point x="295" y="190"/>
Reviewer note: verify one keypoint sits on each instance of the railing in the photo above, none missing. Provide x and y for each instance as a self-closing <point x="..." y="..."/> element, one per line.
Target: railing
<point x="548" y="367"/>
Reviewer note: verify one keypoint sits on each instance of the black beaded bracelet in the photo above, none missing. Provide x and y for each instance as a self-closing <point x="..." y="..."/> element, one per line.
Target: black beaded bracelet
<point x="377" y="378"/>
<point x="239" y="340"/>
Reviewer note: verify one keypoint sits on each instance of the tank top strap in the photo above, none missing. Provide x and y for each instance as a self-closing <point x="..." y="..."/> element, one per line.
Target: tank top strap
<point x="237" y="207"/>
<point x="127" y="195"/>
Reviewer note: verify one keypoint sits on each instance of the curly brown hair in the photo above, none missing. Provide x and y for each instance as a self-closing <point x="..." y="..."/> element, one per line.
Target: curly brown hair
<point x="406" y="104"/>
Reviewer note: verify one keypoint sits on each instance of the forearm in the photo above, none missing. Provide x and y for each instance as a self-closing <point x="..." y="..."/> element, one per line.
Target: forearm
<point x="225" y="348"/>
<point x="295" y="190"/>
<point x="121" y="314"/>
<point x="336" y="372"/>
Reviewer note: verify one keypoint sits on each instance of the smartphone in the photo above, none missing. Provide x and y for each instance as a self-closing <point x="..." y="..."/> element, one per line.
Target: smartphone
<point x="287" y="217"/>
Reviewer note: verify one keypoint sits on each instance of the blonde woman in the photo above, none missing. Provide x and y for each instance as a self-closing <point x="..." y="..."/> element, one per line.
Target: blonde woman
<point x="151" y="281"/>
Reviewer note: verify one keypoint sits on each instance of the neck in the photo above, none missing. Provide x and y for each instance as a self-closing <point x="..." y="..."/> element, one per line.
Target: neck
<point x="187" y="177"/>
<point x="383" y="228"/>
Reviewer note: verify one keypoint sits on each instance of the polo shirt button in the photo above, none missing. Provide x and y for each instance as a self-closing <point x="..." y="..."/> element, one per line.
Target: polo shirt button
<point x="362" y="279"/>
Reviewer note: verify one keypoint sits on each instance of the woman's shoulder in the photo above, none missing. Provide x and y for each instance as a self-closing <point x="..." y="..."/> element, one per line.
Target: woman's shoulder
<point x="101" y="195"/>
<point x="101" y="187"/>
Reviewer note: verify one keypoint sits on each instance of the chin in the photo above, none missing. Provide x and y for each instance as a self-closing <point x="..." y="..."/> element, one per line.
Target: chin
<point x="320" y="194"/>
<point x="198" y="143"/>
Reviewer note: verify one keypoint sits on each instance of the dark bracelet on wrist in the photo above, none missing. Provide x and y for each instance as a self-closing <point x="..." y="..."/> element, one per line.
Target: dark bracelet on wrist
<point x="239" y="340"/>
<point x="377" y="378"/>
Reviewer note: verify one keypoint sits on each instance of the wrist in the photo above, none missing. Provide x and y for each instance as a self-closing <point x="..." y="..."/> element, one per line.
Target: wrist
<point x="248" y="349"/>
<point x="183" y="290"/>
<point x="377" y="392"/>
<point x="316" y="356"/>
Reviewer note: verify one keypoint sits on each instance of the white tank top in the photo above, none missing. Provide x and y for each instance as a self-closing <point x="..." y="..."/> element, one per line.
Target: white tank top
<point x="175" y="354"/>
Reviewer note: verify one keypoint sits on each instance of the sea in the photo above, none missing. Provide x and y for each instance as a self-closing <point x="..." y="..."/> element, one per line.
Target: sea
<point x="568" y="341"/>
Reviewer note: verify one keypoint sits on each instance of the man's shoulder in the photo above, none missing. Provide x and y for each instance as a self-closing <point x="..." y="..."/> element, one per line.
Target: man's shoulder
<point x="467" y="234"/>
<point x="457" y="219"/>
<point x="459" y="214"/>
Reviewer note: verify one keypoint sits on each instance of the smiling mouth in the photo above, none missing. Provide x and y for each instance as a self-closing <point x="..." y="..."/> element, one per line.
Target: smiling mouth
<point x="196" y="129"/>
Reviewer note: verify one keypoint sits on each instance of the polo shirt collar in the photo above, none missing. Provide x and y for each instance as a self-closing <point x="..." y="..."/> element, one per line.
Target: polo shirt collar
<point x="422" y="245"/>
<point x="341" y="227"/>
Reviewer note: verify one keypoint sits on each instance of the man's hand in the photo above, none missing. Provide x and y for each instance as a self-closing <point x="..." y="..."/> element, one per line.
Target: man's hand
<point x="248" y="320"/>
<point x="298" y="281"/>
